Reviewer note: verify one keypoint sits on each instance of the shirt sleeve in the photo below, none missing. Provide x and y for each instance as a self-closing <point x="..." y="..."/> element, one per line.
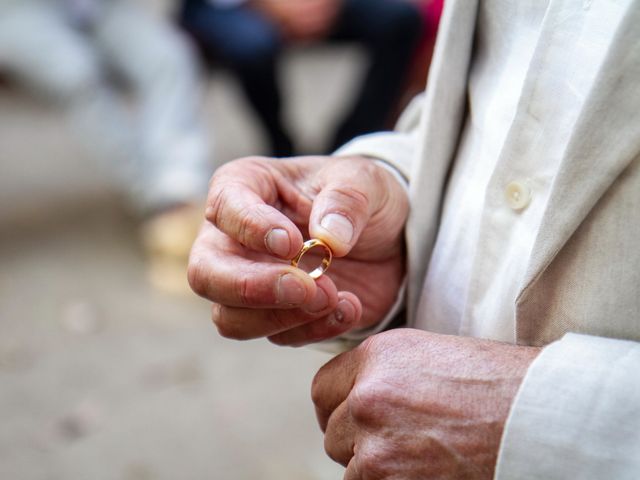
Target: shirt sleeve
<point x="397" y="148"/>
<point x="577" y="414"/>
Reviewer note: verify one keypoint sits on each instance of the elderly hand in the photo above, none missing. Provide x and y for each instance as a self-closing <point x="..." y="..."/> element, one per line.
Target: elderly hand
<point x="413" y="405"/>
<point x="302" y="19"/>
<point x="258" y="211"/>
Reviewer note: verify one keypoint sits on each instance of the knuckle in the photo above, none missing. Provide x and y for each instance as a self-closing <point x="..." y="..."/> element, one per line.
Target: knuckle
<point x="243" y="289"/>
<point x="246" y="227"/>
<point x="237" y="166"/>
<point x="225" y="327"/>
<point x="361" y="402"/>
<point x="245" y="224"/>
<point x="196" y="276"/>
<point x="226" y="330"/>
<point x="370" y="463"/>
<point x="218" y="320"/>
<point x="216" y="313"/>
<point x="352" y="197"/>
<point x="317" y="393"/>
<point x="224" y="170"/>
<point x="215" y="211"/>
<point x="366" y="401"/>
<point x="334" y="452"/>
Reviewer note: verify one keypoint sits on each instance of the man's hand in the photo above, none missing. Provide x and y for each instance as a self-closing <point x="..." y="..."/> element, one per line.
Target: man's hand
<point x="414" y="405"/>
<point x="302" y="19"/>
<point x="258" y="212"/>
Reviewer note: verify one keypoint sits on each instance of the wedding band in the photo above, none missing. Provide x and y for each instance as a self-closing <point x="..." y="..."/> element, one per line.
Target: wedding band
<point x="326" y="261"/>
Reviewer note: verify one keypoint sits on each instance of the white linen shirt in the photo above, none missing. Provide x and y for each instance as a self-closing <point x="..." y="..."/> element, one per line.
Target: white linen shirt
<point x="533" y="66"/>
<point x="577" y="412"/>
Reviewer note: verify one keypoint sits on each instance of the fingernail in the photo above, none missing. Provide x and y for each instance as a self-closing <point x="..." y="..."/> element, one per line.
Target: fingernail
<point x="291" y="290"/>
<point x="345" y="312"/>
<point x="339" y="226"/>
<point x="278" y="242"/>
<point x="319" y="303"/>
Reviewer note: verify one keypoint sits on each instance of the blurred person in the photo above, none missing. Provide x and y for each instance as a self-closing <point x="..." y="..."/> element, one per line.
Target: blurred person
<point x="248" y="36"/>
<point x="512" y="257"/>
<point x="130" y="84"/>
<point x="418" y="70"/>
<point x="431" y="11"/>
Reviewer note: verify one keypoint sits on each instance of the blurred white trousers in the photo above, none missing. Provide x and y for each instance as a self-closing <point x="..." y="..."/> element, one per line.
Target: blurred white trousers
<point x="151" y="133"/>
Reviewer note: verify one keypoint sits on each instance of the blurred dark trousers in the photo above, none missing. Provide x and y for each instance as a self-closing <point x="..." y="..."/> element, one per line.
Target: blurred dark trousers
<point x="248" y="43"/>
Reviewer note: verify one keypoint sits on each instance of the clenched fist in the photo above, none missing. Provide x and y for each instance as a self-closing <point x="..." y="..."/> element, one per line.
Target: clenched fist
<point x="412" y="405"/>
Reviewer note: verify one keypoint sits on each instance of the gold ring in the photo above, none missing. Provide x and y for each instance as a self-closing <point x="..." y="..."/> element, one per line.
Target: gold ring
<point x="326" y="261"/>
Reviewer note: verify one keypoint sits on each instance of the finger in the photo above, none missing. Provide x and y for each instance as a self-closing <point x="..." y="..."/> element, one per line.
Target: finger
<point x="333" y="383"/>
<point x="224" y="277"/>
<point x="351" y="473"/>
<point x="346" y="202"/>
<point x="342" y="319"/>
<point x="339" y="438"/>
<point x="238" y="205"/>
<point x="246" y="324"/>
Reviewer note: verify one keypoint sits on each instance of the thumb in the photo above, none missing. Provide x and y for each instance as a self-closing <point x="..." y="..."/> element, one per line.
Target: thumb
<point x="352" y="190"/>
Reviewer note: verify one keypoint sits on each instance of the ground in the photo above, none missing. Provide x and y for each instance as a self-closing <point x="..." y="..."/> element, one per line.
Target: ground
<point x="101" y="376"/>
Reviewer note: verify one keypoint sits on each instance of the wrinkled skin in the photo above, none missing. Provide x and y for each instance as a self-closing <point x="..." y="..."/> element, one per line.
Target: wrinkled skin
<point x="233" y="264"/>
<point x="412" y="405"/>
<point x="405" y="404"/>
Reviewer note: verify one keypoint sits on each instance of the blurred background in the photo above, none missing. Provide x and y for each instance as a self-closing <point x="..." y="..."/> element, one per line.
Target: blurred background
<point x="113" y="115"/>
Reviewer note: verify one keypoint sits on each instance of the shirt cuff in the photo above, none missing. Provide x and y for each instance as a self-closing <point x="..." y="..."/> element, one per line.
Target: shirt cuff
<point x="392" y="148"/>
<point x="577" y="413"/>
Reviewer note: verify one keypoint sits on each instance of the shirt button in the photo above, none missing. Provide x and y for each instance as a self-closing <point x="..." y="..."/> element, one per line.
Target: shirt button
<point x="518" y="195"/>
